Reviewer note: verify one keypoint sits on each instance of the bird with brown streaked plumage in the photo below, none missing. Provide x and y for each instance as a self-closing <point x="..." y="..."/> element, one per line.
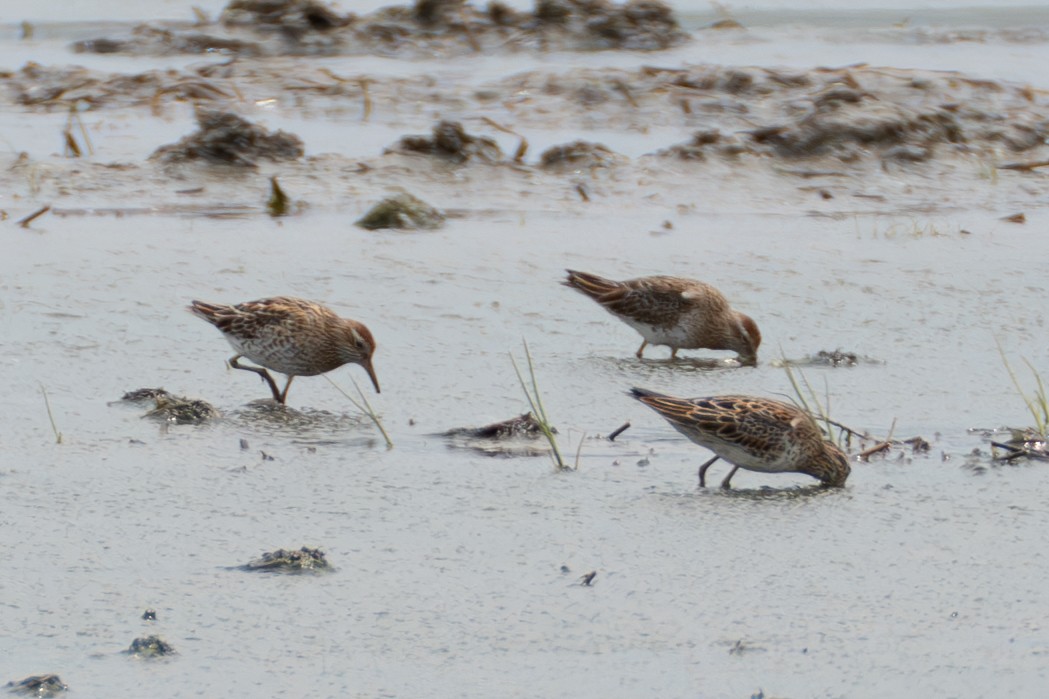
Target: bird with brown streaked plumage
<point x="757" y="434"/>
<point x="673" y="311"/>
<point x="290" y="335"/>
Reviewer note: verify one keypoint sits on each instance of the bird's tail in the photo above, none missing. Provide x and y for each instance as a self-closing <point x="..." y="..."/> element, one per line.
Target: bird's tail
<point x="676" y="410"/>
<point x="590" y="284"/>
<point x="207" y="311"/>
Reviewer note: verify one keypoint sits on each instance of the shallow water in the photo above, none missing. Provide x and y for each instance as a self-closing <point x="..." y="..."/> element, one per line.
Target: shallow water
<point x="924" y="576"/>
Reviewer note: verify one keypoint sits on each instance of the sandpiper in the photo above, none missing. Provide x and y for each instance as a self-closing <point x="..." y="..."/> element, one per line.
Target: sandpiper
<point x="757" y="434"/>
<point x="289" y="335"/>
<point x="680" y="313"/>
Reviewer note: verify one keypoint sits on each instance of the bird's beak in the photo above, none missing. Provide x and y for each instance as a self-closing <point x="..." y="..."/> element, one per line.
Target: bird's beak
<point x="367" y="364"/>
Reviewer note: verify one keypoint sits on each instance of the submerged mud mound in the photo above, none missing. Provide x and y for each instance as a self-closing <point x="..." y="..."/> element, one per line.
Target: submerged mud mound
<point x="38" y="686"/>
<point x="227" y="139"/>
<point x="150" y="647"/>
<point x="307" y="27"/>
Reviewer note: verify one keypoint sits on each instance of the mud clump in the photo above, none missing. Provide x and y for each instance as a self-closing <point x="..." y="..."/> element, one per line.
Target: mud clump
<point x="521" y="426"/>
<point x="38" y="686"/>
<point x="305" y="560"/>
<point x="150" y="647"/>
<point x="836" y="358"/>
<point x="704" y="143"/>
<point x="450" y="142"/>
<point x="293" y="17"/>
<point x="144" y="394"/>
<point x="170" y="408"/>
<point x="403" y="212"/>
<point x="227" y="139"/>
<point x="508" y="438"/>
<point x="578" y="155"/>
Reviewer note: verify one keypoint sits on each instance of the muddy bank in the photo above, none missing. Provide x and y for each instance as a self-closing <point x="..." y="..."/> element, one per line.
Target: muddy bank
<point x="252" y="28"/>
<point x="833" y="133"/>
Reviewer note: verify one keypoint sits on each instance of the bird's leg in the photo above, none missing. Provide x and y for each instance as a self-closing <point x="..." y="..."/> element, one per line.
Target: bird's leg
<point x="284" y="395"/>
<point x="703" y="472"/>
<point x="725" y="483"/>
<point x="234" y="364"/>
<point x="641" y="349"/>
<point x="673" y="353"/>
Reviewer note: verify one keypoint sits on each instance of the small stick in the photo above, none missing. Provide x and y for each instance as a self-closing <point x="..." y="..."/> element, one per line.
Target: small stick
<point x="622" y="428"/>
<point x="1024" y="167"/>
<point x="50" y="416"/>
<point x="870" y="451"/>
<point x="24" y="223"/>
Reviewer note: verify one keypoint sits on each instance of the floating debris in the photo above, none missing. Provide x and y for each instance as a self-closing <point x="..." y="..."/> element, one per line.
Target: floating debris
<point x="404" y="212"/>
<point x="305" y="560"/>
<point x="450" y="142"/>
<point x="1026" y="443"/>
<point x="150" y="647"/>
<point x="39" y="685"/>
<point x="227" y="139"/>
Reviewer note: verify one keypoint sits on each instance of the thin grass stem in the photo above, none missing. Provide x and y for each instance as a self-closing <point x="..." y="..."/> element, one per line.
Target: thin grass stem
<point x="51" y="416"/>
<point x="535" y="402"/>
<point x="366" y="408"/>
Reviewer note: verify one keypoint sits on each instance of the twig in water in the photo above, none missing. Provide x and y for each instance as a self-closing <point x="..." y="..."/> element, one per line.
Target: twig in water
<point x="366" y="408"/>
<point x="50" y="416"/>
<point x="24" y="223"/>
<point x="620" y="430"/>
